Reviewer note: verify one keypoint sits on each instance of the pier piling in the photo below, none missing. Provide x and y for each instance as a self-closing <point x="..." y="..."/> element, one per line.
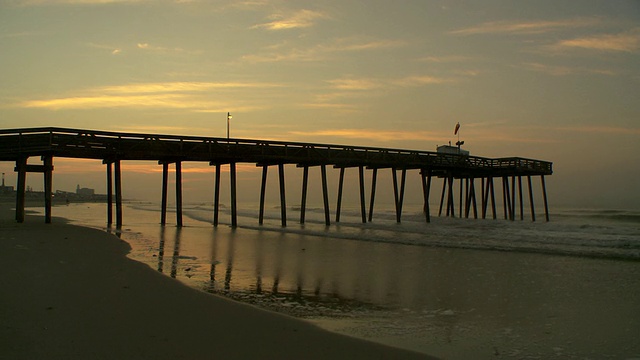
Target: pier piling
<point x="163" y="205"/>
<point x="118" y="180"/>
<point x="263" y="189"/>
<point x="216" y="194"/>
<point x="533" y="210"/>
<point x="21" y="168"/>
<point x="283" y="202"/>
<point x="374" y="179"/>
<point x="325" y="195"/>
<point x="109" y="192"/>
<point x="340" y="187"/>
<point x="48" y="186"/>
<point x="303" y="197"/>
<point x="363" y="211"/>
<point x="234" y="199"/>
<point x="179" y="193"/>
<point x="544" y="197"/>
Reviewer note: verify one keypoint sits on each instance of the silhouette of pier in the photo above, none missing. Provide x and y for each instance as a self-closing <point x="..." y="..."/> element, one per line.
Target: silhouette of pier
<point x="112" y="148"/>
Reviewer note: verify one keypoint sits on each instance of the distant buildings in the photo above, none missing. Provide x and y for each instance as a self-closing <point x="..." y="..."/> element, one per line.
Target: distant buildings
<point x="80" y="195"/>
<point x="8" y="193"/>
<point x="84" y="191"/>
<point x="5" y="190"/>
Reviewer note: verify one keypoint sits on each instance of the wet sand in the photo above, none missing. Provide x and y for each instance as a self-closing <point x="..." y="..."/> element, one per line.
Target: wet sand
<point x="71" y="293"/>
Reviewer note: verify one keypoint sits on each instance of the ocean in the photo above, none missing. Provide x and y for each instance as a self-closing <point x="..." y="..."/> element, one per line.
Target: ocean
<point x="564" y="289"/>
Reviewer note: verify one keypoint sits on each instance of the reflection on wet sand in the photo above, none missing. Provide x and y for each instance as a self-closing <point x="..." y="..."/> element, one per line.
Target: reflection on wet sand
<point x="278" y="264"/>
<point x="445" y="296"/>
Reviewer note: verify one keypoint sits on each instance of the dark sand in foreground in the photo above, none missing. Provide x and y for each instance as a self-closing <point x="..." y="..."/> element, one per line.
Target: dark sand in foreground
<point x="71" y="293"/>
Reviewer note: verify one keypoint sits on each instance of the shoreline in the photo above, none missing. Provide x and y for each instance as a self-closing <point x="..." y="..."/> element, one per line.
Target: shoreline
<point x="72" y="292"/>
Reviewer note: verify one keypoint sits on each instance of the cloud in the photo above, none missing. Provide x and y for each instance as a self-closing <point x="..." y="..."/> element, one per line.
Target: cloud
<point x="162" y="49"/>
<point x="447" y="59"/>
<point x="321" y="51"/>
<point x="192" y="96"/>
<point x="565" y="70"/>
<point x="354" y="84"/>
<point x="628" y="41"/>
<point x="181" y="87"/>
<point x="526" y="27"/>
<point x="114" y="50"/>
<point x="420" y="80"/>
<point x="112" y="101"/>
<point x="299" y="19"/>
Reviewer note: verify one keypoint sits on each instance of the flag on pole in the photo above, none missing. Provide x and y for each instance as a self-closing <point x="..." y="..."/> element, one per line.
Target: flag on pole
<point x="455" y="132"/>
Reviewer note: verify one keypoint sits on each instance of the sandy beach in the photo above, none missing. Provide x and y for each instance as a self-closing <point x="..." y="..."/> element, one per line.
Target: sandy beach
<point x="71" y="293"/>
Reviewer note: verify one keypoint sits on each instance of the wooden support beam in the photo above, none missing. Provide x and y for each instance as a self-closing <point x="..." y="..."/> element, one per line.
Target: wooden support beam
<point x="544" y="197"/>
<point x="374" y="179"/>
<point x="263" y="189"/>
<point x="325" y="195"/>
<point x="485" y="197"/>
<point x="118" y="180"/>
<point x="340" y="186"/>
<point x="473" y="198"/>
<point x="493" y="200"/>
<point x="179" y="193"/>
<point x="461" y="197"/>
<point x="283" y="202"/>
<point x="513" y="198"/>
<point x="444" y="190"/>
<point x="426" y="189"/>
<point x="363" y="210"/>
<point x="451" y="199"/>
<point x="216" y="196"/>
<point x="506" y="200"/>
<point x="303" y="201"/>
<point x="520" y="197"/>
<point x="109" y="193"/>
<point x="21" y="168"/>
<point x="533" y="210"/>
<point x="395" y="191"/>
<point x="467" y="201"/>
<point x="234" y="199"/>
<point x="165" y="181"/>
<point x="48" y="187"/>
<point x="401" y="195"/>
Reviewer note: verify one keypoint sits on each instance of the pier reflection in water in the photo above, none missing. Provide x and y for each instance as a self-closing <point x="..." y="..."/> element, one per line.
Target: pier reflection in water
<point x="303" y="272"/>
<point x="438" y="296"/>
<point x="257" y="265"/>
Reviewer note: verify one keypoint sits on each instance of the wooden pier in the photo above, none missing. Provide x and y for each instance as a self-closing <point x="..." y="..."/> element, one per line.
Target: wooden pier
<point x="17" y="145"/>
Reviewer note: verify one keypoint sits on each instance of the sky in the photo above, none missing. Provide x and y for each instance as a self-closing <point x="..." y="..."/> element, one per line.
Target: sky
<point x="550" y="80"/>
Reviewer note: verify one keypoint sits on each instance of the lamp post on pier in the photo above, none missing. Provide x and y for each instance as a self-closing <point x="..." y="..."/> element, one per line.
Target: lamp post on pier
<point x="228" y="118"/>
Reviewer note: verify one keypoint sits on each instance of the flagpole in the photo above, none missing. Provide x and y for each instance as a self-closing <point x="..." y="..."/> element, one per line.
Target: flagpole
<point x="457" y="132"/>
